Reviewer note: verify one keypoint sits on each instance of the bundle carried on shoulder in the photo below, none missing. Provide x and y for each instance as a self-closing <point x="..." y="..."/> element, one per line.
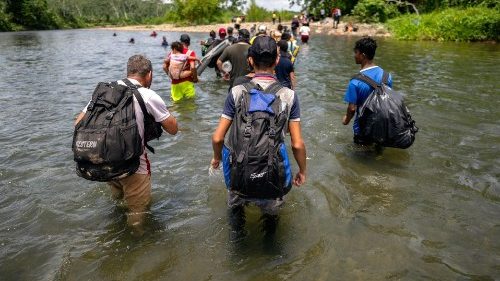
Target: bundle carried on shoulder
<point x="107" y="144"/>
<point x="255" y="160"/>
<point x="384" y="118"/>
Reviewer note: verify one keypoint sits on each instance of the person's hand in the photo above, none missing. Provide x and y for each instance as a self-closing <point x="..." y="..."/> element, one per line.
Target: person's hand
<point x="300" y="178"/>
<point x="226" y="76"/>
<point x="344" y="120"/>
<point x="214" y="163"/>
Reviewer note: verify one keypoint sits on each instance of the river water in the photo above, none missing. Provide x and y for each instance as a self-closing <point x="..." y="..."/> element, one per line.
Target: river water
<point x="430" y="212"/>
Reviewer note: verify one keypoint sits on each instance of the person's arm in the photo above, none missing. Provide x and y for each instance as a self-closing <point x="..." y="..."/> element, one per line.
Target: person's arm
<point x="293" y="80"/>
<point x="299" y="151"/>
<point x="166" y="64"/>
<point x="351" y="109"/>
<point x="170" y="125"/>
<point x="218" y="141"/>
<point x="223" y="57"/>
<point x="79" y="118"/>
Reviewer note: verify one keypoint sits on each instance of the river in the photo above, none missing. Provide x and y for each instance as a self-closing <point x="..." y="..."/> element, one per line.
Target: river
<point x="430" y="212"/>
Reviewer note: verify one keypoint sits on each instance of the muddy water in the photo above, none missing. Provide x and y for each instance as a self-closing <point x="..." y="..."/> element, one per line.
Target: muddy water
<point x="427" y="213"/>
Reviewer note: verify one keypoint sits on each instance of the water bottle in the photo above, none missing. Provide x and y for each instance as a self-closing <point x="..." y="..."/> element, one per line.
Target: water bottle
<point x="227" y="66"/>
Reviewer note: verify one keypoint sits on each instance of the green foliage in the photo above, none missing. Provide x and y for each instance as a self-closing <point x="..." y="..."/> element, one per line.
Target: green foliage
<point x="373" y="11"/>
<point x="256" y="13"/>
<point x="5" y="18"/>
<point x="195" y="11"/>
<point x="453" y="24"/>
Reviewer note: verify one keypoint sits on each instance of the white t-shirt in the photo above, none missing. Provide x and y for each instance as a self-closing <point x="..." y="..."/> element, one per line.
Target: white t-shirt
<point x="304" y="30"/>
<point x="156" y="107"/>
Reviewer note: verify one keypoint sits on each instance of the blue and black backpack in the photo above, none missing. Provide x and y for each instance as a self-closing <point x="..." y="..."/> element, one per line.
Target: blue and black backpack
<point x="255" y="159"/>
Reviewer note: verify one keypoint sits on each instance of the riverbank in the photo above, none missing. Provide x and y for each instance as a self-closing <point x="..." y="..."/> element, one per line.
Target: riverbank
<point x="325" y="27"/>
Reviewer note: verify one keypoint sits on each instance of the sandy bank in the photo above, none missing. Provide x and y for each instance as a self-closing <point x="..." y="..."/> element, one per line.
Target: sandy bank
<point x="316" y="28"/>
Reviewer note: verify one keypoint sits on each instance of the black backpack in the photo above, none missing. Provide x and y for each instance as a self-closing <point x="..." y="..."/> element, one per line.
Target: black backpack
<point x="383" y="118"/>
<point x="255" y="160"/>
<point x="106" y="142"/>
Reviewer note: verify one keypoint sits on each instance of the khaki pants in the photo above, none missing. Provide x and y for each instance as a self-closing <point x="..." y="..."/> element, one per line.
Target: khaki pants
<point x="135" y="190"/>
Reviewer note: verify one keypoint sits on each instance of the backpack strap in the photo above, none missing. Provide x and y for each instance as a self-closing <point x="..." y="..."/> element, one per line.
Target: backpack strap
<point x="274" y="88"/>
<point x="244" y="99"/>
<point x="367" y="80"/>
<point x="140" y="100"/>
<point x="385" y="78"/>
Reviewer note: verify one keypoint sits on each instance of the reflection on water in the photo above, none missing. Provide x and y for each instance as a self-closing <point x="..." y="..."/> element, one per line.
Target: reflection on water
<point x="429" y="212"/>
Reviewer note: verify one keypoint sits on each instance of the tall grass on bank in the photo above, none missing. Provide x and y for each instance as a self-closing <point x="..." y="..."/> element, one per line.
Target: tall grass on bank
<point x="453" y="24"/>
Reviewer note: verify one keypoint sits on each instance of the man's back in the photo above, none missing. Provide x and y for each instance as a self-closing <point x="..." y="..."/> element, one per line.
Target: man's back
<point x="237" y="55"/>
<point x="283" y="70"/>
<point x="358" y="91"/>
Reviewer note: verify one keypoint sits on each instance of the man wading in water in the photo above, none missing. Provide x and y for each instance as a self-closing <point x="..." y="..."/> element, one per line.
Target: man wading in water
<point x="135" y="189"/>
<point x="264" y="180"/>
<point x="357" y="91"/>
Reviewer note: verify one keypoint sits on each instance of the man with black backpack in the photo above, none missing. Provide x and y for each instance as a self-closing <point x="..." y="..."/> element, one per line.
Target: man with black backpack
<point x="254" y="158"/>
<point x="112" y="131"/>
<point x="381" y="115"/>
<point x="358" y="91"/>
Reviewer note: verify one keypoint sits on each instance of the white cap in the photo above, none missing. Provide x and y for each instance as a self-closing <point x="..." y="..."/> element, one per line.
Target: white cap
<point x="262" y="28"/>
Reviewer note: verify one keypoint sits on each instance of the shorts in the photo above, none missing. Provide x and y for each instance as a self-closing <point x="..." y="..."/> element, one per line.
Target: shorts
<point x="304" y="38"/>
<point x="267" y="206"/>
<point x="135" y="190"/>
<point x="183" y="90"/>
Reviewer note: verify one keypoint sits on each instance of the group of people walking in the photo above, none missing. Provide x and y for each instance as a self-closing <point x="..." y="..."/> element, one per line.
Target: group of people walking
<point x="260" y="110"/>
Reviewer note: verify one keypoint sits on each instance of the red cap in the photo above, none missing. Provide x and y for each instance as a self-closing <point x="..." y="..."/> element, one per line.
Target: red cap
<point x="222" y="31"/>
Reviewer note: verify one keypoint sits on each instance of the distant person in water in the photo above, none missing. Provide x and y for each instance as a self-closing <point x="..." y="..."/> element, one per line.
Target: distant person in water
<point x="114" y="34"/>
<point x="304" y="33"/>
<point x="131" y="41"/>
<point x="357" y="91"/>
<point x="206" y="44"/>
<point x="284" y="70"/>
<point x="230" y="35"/>
<point x="153" y="34"/>
<point x="164" y="43"/>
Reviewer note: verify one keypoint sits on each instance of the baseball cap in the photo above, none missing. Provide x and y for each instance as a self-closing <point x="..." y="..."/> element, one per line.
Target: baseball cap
<point x="222" y="31"/>
<point x="262" y="28"/>
<point x="263" y="47"/>
<point x="185" y="39"/>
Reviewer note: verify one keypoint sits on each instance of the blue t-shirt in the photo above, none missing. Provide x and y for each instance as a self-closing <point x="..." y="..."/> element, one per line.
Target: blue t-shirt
<point x="358" y="91"/>
<point x="283" y="70"/>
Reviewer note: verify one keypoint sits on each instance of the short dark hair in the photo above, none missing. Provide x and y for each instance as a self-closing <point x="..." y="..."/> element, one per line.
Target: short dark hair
<point x="212" y="33"/>
<point x="139" y="64"/>
<point x="366" y="46"/>
<point x="286" y="36"/>
<point x="283" y="45"/>
<point x="230" y="30"/>
<point x="177" y="46"/>
<point x="185" y="39"/>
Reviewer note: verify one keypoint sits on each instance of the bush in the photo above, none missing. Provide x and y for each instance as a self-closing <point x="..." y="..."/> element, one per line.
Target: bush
<point x="373" y="11"/>
<point x="453" y="24"/>
<point x="5" y="19"/>
<point x="256" y="13"/>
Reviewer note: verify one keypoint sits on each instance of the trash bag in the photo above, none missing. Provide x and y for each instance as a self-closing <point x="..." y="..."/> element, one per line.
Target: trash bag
<point x="383" y="118"/>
